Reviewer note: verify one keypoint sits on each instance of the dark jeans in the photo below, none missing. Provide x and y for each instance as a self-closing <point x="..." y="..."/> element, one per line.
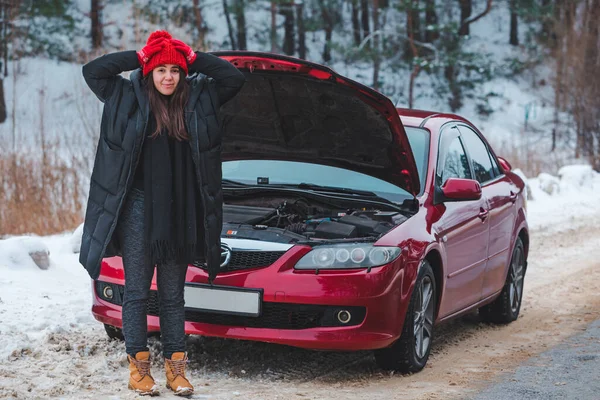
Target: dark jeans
<point x="138" y="276"/>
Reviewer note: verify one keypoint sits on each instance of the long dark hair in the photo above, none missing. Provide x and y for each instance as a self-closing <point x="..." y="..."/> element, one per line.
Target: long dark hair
<point x="169" y="110"/>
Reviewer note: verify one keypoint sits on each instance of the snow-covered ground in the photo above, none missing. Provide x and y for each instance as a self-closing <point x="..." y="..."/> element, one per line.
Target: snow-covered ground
<point x="562" y="202"/>
<point x="36" y="304"/>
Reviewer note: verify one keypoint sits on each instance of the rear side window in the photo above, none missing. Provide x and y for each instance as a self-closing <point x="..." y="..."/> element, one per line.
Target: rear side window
<point x="480" y="156"/>
<point x="453" y="163"/>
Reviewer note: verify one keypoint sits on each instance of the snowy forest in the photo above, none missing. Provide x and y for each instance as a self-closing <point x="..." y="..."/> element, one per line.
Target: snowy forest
<point x="524" y="71"/>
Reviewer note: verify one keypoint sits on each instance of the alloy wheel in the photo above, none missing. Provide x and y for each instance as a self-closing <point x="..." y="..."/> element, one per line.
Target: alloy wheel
<point x="423" y="322"/>
<point x="517" y="274"/>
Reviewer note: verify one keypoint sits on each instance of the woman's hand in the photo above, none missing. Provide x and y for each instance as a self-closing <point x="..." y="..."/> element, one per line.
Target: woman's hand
<point x="150" y="49"/>
<point x="184" y="49"/>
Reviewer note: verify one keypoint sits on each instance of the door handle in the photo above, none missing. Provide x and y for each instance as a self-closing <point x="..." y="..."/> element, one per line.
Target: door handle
<point x="483" y="214"/>
<point x="513" y="197"/>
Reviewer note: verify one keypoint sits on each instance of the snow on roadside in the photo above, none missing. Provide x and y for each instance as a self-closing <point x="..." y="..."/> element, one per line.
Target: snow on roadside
<point x="562" y="202"/>
<point x="35" y="303"/>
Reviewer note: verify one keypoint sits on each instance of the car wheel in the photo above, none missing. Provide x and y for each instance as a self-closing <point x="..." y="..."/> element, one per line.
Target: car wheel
<point x="506" y="307"/>
<point x="113" y="332"/>
<point x="411" y="351"/>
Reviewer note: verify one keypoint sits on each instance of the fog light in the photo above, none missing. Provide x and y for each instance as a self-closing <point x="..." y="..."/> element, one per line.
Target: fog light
<point x="108" y="292"/>
<point x="344" y="316"/>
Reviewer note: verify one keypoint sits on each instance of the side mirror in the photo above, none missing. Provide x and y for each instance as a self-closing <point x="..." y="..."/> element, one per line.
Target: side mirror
<point x="457" y="189"/>
<point x="504" y="164"/>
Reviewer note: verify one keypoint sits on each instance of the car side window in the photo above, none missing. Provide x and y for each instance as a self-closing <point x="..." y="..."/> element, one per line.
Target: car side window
<point x="480" y="156"/>
<point x="495" y="166"/>
<point x="453" y="163"/>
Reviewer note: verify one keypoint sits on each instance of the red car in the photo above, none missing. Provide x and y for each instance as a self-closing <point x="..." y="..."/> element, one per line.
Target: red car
<point x="348" y="224"/>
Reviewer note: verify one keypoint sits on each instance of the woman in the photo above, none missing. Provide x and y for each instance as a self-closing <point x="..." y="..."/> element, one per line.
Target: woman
<point x="155" y="192"/>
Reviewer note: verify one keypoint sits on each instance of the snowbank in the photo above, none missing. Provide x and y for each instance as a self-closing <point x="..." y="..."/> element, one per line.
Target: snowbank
<point x="35" y="303"/>
<point x="557" y="201"/>
<point x="16" y="252"/>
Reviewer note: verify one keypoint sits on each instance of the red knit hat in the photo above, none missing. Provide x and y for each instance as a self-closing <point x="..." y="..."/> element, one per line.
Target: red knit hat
<point x="168" y="55"/>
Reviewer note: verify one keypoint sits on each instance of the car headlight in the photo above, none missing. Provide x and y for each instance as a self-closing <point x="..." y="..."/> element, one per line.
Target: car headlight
<point x="343" y="256"/>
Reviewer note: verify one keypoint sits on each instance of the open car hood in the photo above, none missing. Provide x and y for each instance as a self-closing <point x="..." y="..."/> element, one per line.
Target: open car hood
<point x="291" y="109"/>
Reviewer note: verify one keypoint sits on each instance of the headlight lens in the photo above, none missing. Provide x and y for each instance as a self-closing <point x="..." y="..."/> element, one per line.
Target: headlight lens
<point x="343" y="256"/>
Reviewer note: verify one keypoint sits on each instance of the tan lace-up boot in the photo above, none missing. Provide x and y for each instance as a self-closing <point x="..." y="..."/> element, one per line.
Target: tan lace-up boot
<point x="140" y="379"/>
<point x="176" y="380"/>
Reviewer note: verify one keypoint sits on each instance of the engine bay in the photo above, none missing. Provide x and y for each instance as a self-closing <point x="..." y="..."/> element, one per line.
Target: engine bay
<point x="298" y="219"/>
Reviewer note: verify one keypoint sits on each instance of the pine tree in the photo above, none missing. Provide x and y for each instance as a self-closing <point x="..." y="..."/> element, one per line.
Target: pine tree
<point x="34" y="28"/>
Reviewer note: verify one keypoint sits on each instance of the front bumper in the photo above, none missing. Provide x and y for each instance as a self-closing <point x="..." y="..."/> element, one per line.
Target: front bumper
<point x="299" y="307"/>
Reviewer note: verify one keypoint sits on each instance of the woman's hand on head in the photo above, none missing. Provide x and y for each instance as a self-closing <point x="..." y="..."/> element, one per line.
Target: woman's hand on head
<point x="184" y="49"/>
<point x="150" y="49"/>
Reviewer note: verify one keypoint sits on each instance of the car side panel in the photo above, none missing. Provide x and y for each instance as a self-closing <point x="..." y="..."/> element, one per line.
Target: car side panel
<point x="465" y="238"/>
<point x="502" y="218"/>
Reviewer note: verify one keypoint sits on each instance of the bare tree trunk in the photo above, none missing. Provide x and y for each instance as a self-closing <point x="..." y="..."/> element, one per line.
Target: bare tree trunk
<point x="6" y="17"/>
<point x="546" y="31"/>
<point x="229" y="26"/>
<point x="558" y="93"/>
<point x="412" y="27"/>
<point x="431" y="19"/>
<point x="328" y="26"/>
<point x="591" y="81"/>
<point x="3" y="113"/>
<point x="4" y="12"/>
<point x="364" y="16"/>
<point x="514" y="24"/>
<point x="240" y="20"/>
<point x="466" y="8"/>
<point x="200" y="26"/>
<point x="289" y="39"/>
<point x="376" y="49"/>
<point x="464" y="25"/>
<point x="96" y="20"/>
<point x="567" y="52"/>
<point x="13" y="114"/>
<point x="301" y="31"/>
<point x="451" y="74"/>
<point x="416" y="66"/>
<point x="273" y="27"/>
<point x="355" y="23"/>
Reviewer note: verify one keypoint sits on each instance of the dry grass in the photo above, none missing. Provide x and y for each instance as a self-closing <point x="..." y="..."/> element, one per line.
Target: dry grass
<point x="40" y="193"/>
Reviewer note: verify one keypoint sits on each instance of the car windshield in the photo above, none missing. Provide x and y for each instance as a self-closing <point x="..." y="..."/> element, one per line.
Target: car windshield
<point x="295" y="173"/>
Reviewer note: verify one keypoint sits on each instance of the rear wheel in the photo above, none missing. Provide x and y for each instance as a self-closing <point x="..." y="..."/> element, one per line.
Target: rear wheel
<point x="113" y="332"/>
<point x="506" y="307"/>
<point x="411" y="351"/>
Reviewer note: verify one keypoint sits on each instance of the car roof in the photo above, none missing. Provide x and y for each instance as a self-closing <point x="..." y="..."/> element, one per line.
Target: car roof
<point x="417" y="118"/>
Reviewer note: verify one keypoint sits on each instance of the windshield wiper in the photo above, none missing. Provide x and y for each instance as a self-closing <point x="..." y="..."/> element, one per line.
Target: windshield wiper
<point x="334" y="189"/>
<point x="231" y="182"/>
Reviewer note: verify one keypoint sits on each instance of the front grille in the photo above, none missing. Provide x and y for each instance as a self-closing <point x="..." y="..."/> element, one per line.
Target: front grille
<point x="273" y="315"/>
<point x="247" y="259"/>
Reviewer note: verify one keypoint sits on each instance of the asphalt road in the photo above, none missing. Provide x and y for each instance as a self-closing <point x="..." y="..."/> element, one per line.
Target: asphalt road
<point x="570" y="371"/>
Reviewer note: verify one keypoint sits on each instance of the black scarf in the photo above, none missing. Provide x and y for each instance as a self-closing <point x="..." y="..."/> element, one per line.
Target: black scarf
<point x="172" y="204"/>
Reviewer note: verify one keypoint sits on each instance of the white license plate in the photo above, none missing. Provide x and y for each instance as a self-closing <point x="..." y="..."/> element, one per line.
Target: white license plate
<point x="225" y="300"/>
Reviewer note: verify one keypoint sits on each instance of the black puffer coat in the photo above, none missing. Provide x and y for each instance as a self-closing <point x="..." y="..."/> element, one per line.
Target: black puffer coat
<point x="126" y="108"/>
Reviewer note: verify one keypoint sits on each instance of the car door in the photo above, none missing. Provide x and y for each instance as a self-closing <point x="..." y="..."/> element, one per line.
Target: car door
<point x="500" y="195"/>
<point x="462" y="229"/>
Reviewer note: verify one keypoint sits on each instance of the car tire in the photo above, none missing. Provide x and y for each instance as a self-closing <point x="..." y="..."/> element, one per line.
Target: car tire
<point x="506" y="307"/>
<point x="113" y="332"/>
<point x="410" y="352"/>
